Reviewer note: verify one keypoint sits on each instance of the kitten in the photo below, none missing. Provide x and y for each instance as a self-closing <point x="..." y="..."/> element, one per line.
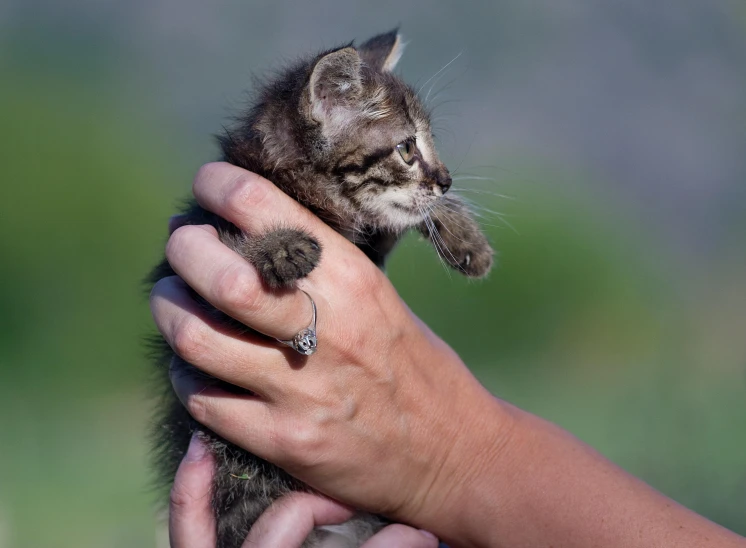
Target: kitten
<point x="350" y="141"/>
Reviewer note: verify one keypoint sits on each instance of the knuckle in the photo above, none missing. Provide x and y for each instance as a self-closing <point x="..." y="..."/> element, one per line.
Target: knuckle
<point x="198" y="407"/>
<point x="190" y="339"/>
<point x="238" y="289"/>
<point x="299" y="507"/>
<point x="180" y="498"/>
<point x="178" y="239"/>
<point x="368" y="283"/>
<point x="303" y="440"/>
<point x="359" y="276"/>
<point x="247" y="192"/>
<point x="205" y="174"/>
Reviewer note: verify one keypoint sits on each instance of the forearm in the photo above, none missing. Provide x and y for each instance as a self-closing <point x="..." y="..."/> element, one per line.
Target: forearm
<point x="540" y="486"/>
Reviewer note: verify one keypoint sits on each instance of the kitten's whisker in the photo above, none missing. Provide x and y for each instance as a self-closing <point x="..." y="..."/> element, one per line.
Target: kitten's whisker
<point x="439" y="77"/>
<point x="432" y="231"/>
<point x="436" y="74"/>
<point x="446" y="86"/>
<point x="517" y="174"/>
<point x="468" y="177"/>
<point x="476" y="214"/>
<point x="473" y="138"/>
<point x="443" y="103"/>
<point x="433" y="236"/>
<point x="500" y="217"/>
<point x="482" y="191"/>
<point x="434" y="214"/>
<point x="359" y="231"/>
<point x="475" y="210"/>
<point x="442" y="241"/>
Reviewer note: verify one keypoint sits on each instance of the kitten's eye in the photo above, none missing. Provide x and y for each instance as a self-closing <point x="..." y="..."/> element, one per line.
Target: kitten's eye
<point x="406" y="150"/>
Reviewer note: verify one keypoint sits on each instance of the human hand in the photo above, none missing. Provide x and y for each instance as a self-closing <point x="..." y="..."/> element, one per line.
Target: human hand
<point x="376" y="418"/>
<point x="384" y="417"/>
<point x="286" y="523"/>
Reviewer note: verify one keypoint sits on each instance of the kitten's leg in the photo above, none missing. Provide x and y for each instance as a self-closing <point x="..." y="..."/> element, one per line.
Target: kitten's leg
<point x="378" y="245"/>
<point x="281" y="256"/>
<point x="458" y="238"/>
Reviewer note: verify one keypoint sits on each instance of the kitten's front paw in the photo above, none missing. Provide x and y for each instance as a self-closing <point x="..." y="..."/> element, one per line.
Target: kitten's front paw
<point x="477" y="262"/>
<point x="283" y="256"/>
<point x="471" y="255"/>
<point x="458" y="239"/>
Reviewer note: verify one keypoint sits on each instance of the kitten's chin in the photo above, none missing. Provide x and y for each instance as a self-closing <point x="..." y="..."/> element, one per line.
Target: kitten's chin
<point x="400" y="217"/>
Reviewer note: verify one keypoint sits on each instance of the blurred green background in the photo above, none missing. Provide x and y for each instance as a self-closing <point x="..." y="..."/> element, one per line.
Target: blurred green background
<point x="604" y="146"/>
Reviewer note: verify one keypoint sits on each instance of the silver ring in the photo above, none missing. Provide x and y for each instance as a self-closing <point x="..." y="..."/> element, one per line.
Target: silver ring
<point x="305" y="340"/>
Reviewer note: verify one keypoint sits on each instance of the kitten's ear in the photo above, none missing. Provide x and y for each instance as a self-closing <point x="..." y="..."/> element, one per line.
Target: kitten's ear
<point x="335" y="82"/>
<point x="383" y="52"/>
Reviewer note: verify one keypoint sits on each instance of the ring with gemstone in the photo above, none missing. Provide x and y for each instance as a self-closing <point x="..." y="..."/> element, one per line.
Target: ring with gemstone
<point x="305" y="340"/>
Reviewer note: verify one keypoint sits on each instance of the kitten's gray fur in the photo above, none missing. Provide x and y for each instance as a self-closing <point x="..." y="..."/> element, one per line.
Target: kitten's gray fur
<point x="326" y="132"/>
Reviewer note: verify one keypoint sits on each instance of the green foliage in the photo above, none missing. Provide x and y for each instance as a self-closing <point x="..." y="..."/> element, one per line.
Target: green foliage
<point x="82" y="219"/>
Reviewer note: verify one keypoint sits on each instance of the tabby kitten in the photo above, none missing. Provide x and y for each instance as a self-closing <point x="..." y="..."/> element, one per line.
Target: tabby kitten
<point x="350" y="141"/>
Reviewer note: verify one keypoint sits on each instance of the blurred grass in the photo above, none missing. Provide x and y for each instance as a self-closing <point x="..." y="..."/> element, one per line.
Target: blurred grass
<point x="82" y="219"/>
<point x="584" y="322"/>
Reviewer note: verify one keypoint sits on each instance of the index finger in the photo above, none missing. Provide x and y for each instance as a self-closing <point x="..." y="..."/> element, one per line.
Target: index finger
<point x="253" y="203"/>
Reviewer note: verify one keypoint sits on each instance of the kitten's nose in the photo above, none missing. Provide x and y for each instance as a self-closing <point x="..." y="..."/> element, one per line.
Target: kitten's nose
<point x="442" y="184"/>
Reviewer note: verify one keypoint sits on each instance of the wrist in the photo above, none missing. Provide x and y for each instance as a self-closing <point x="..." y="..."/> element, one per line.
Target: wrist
<point x="467" y="489"/>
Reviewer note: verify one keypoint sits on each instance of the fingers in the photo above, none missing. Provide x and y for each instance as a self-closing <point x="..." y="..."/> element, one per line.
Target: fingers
<point x="290" y="519"/>
<point x="231" y="284"/>
<point x="255" y="205"/>
<point x="401" y="536"/>
<point x="247" y="200"/>
<point x="246" y="361"/>
<point x="191" y="523"/>
<point x="239" y="418"/>
<point x="286" y="523"/>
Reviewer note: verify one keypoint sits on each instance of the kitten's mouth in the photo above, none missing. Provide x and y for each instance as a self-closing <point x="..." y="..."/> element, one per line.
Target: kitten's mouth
<point x="402" y="216"/>
<point x="406" y="211"/>
<point x="416" y="210"/>
<point x="401" y="207"/>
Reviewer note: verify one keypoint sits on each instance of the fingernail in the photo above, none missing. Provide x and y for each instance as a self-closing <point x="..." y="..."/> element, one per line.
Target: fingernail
<point x="197" y="449"/>
<point x="428" y="534"/>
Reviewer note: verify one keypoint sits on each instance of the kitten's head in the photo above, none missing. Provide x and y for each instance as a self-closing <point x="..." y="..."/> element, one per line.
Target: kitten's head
<point x="372" y="133"/>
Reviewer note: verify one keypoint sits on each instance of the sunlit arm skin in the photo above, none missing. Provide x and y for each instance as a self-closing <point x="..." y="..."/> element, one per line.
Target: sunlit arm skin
<point x="385" y="416"/>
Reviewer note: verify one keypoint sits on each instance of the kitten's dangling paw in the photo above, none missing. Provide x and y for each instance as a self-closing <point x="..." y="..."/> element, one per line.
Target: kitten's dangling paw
<point x="470" y="253"/>
<point x="283" y="255"/>
<point x="458" y="239"/>
<point x="477" y="262"/>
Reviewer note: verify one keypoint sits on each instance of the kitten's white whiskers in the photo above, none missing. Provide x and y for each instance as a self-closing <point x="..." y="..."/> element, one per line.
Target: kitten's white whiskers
<point x="443" y="244"/>
<point x="467" y="177"/>
<point x="482" y="191"/>
<point x="434" y="213"/>
<point x="478" y="208"/>
<point x="474" y="209"/>
<point x="436" y="74"/>
<point x="433" y="231"/>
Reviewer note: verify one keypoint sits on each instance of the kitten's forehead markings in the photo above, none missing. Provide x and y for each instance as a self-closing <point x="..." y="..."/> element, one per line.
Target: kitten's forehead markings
<point x="377" y="106"/>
